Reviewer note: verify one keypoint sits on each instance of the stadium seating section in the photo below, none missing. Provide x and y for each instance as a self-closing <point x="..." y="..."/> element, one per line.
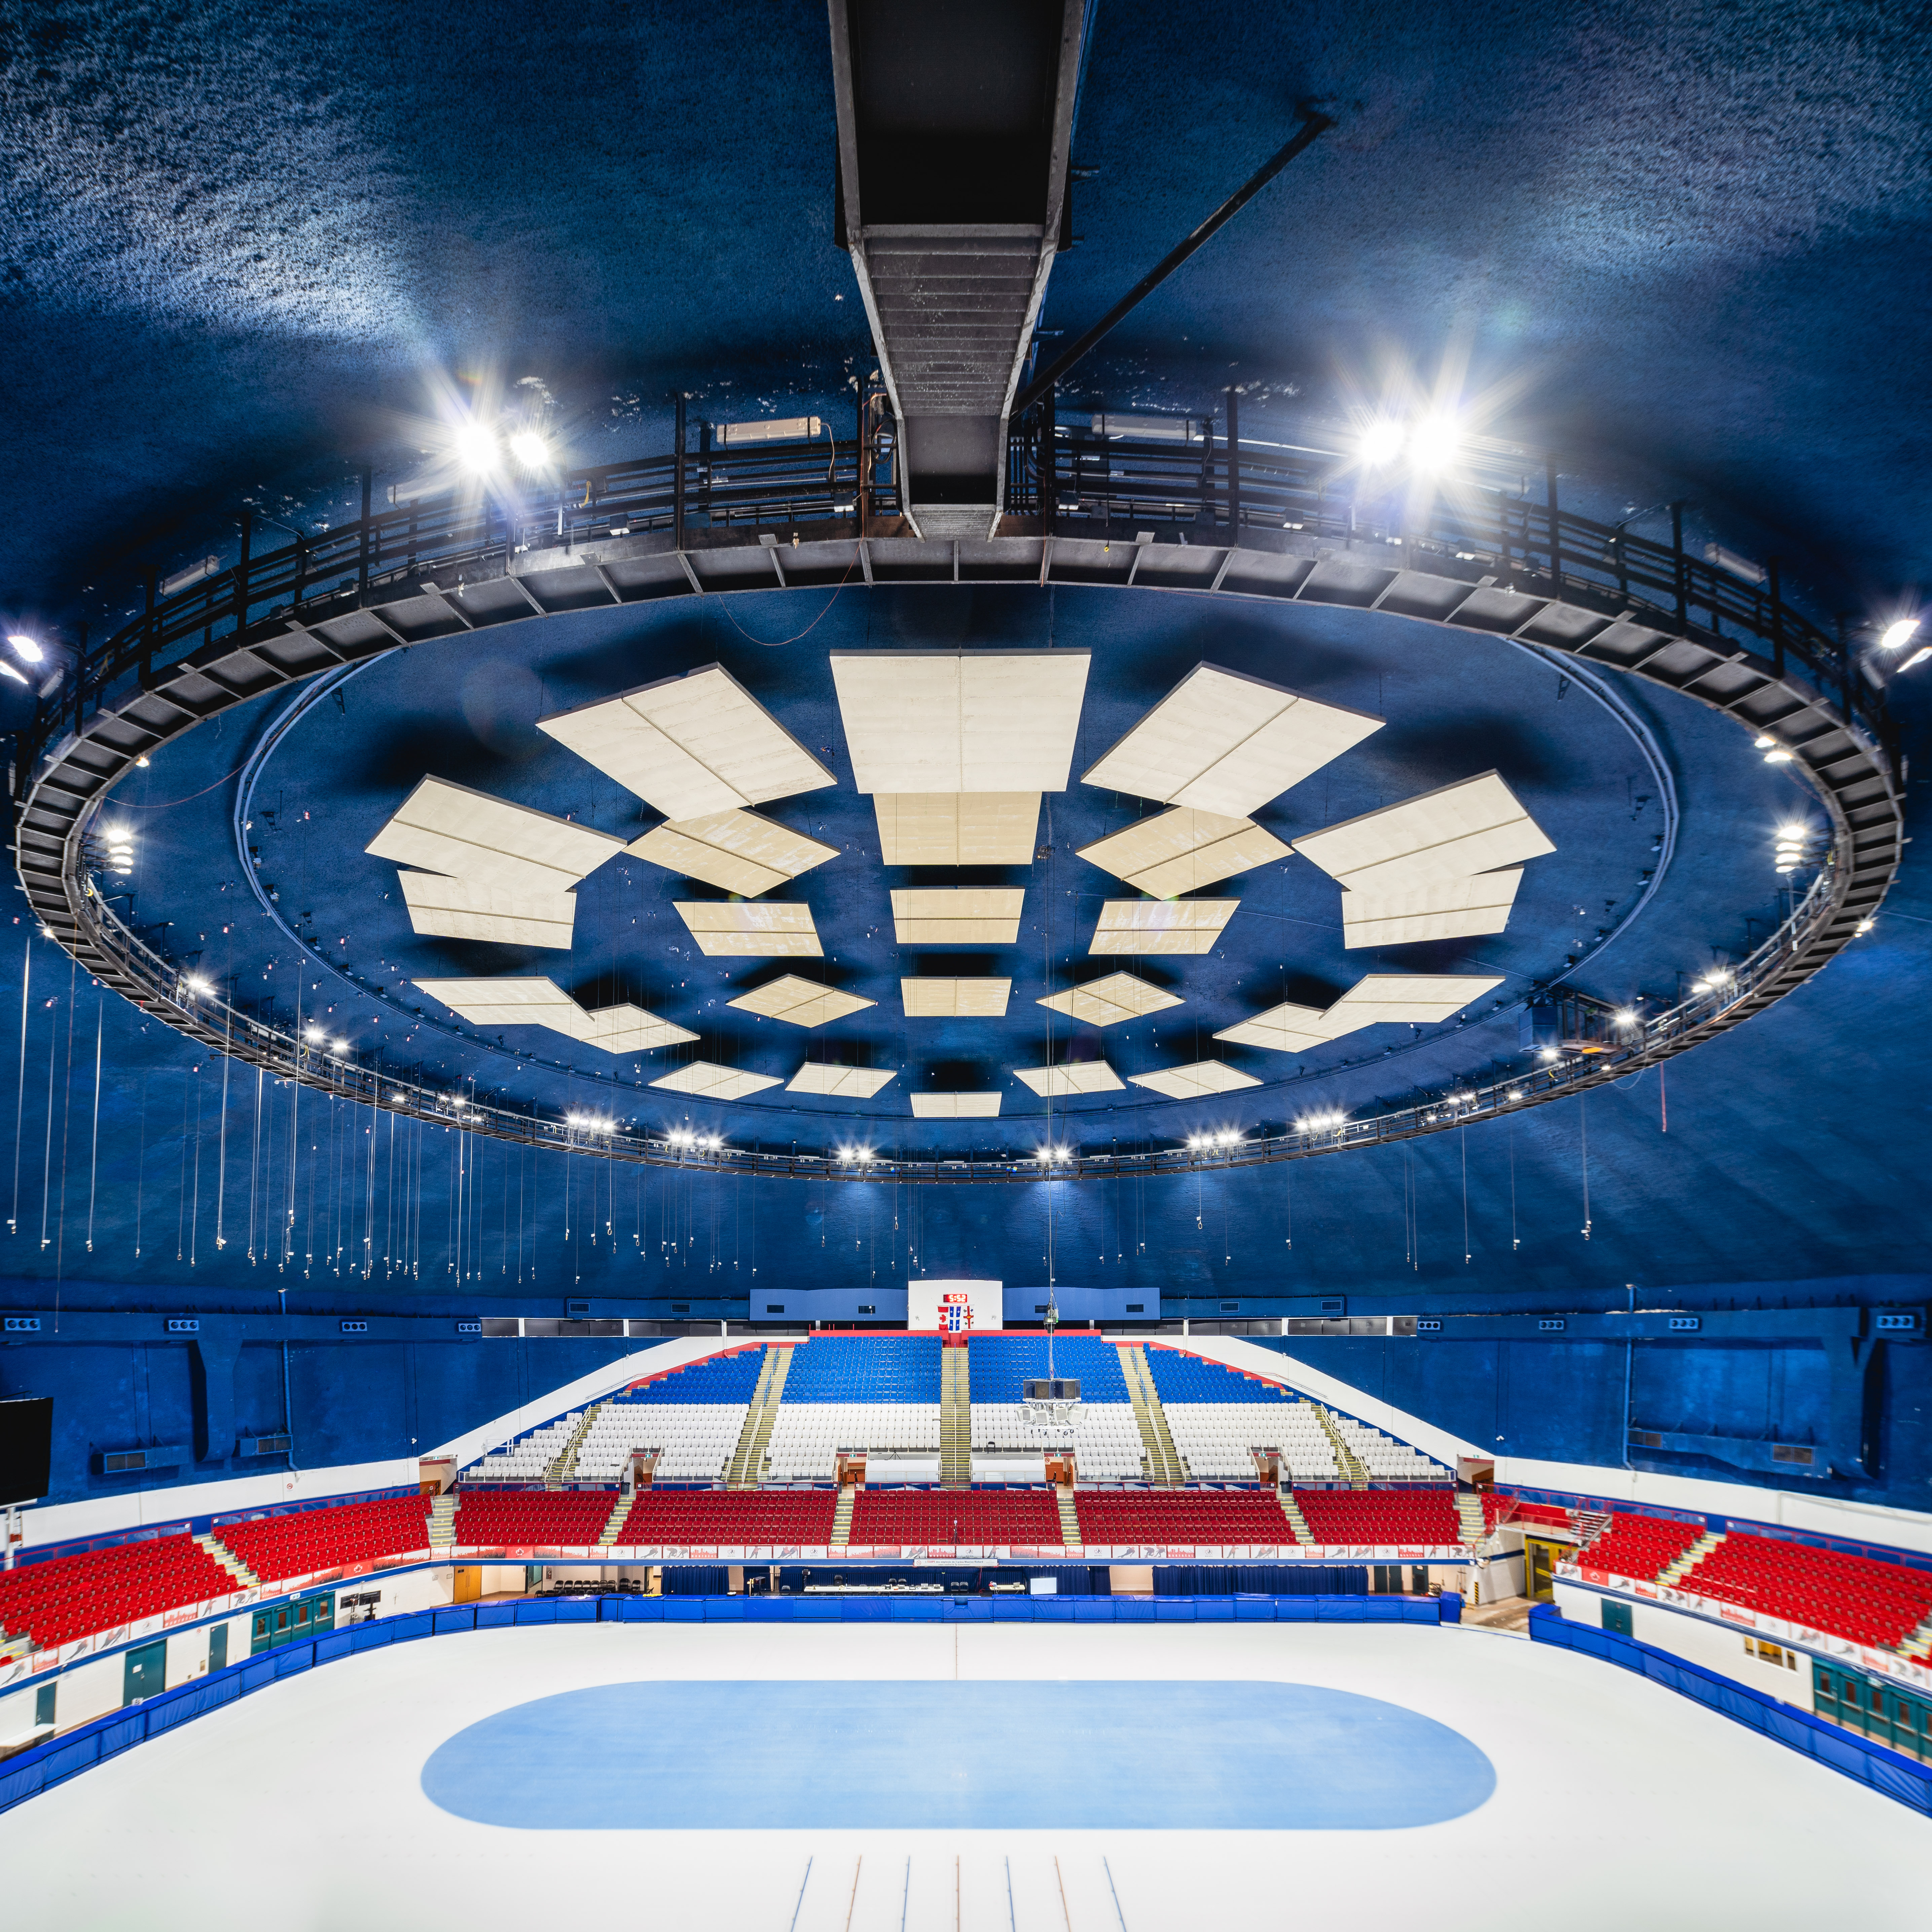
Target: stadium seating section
<point x="1181" y="1516"/>
<point x="1178" y="1377"/>
<point x="326" y="1539"/>
<point x="1380" y="1515"/>
<point x="69" y="1597"/>
<point x="1871" y="1602"/>
<point x="1522" y="1515"/>
<point x="999" y="1366"/>
<point x="975" y="1517"/>
<point x="730" y="1378"/>
<point x="1640" y="1547"/>
<point x="734" y="1517"/>
<point x="865" y="1368"/>
<point x="531" y="1517"/>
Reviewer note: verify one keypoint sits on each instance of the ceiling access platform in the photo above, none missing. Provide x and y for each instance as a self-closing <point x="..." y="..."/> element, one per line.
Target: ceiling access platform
<point x="956" y="125"/>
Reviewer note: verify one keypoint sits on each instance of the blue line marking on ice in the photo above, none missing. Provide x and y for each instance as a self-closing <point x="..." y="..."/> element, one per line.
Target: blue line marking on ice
<point x="973" y="1757"/>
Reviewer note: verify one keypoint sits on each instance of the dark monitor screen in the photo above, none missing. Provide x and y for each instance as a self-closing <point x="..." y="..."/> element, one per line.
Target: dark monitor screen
<point x="26" y="1448"/>
<point x="1053" y="1391"/>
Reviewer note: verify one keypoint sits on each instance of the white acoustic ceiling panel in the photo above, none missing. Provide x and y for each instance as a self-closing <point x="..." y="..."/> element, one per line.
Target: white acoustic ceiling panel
<point x="446" y="908"/>
<point x="543" y="1002"/>
<point x="1288" y="1028"/>
<point x="708" y="1081"/>
<point x="980" y="998"/>
<point x="1228" y="743"/>
<point x="1451" y="833"/>
<point x="737" y="851"/>
<point x="957" y="828"/>
<point x="1182" y="850"/>
<point x="1443" y="909"/>
<point x="730" y="929"/>
<point x="1191" y="1082"/>
<point x="1102" y="1003"/>
<point x="800" y="1002"/>
<point x="1161" y="925"/>
<point x="1413" y="999"/>
<point x="843" y="1083"/>
<point x="964" y="915"/>
<point x="958" y="721"/>
<point x="955" y="1106"/>
<point x="690" y="746"/>
<point x="626" y="1028"/>
<point x="1070" y="1076"/>
<point x="469" y="836"/>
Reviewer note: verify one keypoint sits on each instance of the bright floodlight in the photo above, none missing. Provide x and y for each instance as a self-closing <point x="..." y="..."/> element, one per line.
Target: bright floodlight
<point x="340" y="1046"/>
<point x="197" y="985"/>
<point x="8" y="670"/>
<point x="475" y="447"/>
<point x="29" y="650"/>
<point x="1434" y="442"/>
<point x="1894" y="638"/>
<point x="313" y="1032"/>
<point x="1381" y="441"/>
<point x="529" y="449"/>
<point x="1626" y="1016"/>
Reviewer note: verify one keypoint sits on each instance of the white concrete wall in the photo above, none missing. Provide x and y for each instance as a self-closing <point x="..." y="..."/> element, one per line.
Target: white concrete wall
<point x="1696" y="1641"/>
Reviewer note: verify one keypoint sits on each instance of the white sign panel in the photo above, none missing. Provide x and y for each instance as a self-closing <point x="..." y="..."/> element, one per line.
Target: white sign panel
<point x="958" y="1306"/>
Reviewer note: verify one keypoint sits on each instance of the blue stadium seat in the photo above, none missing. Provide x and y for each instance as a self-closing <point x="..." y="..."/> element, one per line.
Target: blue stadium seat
<point x="1000" y="1365"/>
<point x="865" y="1368"/>
<point x="1184" y="1378"/>
<point x="720" y="1378"/>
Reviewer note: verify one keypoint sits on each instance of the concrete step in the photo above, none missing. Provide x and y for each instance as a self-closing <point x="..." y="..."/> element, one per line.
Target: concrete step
<point x="229" y="1562"/>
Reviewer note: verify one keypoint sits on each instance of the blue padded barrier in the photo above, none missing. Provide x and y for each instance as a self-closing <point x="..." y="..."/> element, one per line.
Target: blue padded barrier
<point x="32" y="1771"/>
<point x="1883" y="1770"/>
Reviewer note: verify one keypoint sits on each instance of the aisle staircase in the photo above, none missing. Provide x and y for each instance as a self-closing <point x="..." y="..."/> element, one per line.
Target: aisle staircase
<point x="955" y="1420"/>
<point x="1069" y="1517"/>
<point x="1353" y="1474"/>
<point x="842" y="1517"/>
<point x="563" y="1465"/>
<point x="1674" y="1573"/>
<point x="1469" y="1518"/>
<point x="1160" y="1459"/>
<point x="1297" y="1521"/>
<point x="244" y="1577"/>
<point x="1588" y="1525"/>
<point x="442" y="1520"/>
<point x="614" y="1522"/>
<point x="747" y="1460"/>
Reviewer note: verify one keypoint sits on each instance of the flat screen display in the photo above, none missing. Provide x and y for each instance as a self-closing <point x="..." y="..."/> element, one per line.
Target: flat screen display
<point x="26" y="1448"/>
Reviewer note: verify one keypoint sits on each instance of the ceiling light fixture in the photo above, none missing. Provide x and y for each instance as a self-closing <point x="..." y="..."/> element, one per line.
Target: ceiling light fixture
<point x="28" y="649"/>
<point x="475" y="446"/>
<point x="1898" y="634"/>
<point x="196" y="984"/>
<point x="1435" y="442"/>
<point x="530" y="449"/>
<point x="1381" y="441"/>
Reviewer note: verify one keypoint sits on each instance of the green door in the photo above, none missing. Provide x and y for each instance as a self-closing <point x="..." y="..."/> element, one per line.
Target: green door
<point x="1616" y="1616"/>
<point x="217" y="1648"/>
<point x="147" y="1671"/>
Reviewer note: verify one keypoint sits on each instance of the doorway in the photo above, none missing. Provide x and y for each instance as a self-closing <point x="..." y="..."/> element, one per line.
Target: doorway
<point x="1540" y="1560"/>
<point x="467" y="1583"/>
<point x="146" y="1672"/>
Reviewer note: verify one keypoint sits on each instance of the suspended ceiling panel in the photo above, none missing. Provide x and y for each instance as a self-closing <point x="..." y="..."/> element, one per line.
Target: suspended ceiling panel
<point x="626" y="1028"/>
<point x="543" y="1002"/>
<point x="1071" y="1076"/>
<point x="1182" y="850"/>
<point x="974" y="721"/>
<point x="737" y="851"/>
<point x="800" y="1002"/>
<point x="955" y="1106"/>
<point x="1161" y="925"/>
<point x="1102" y="1003"/>
<point x="444" y="908"/>
<point x="1413" y="999"/>
<point x="1228" y="743"/>
<point x="980" y="998"/>
<point x="730" y="929"/>
<point x="952" y="828"/>
<point x="468" y="835"/>
<point x="1288" y="1028"/>
<point x="1473" y="826"/>
<point x="1190" y="1082"/>
<point x="847" y="1083"/>
<point x="961" y="915"/>
<point x="1445" y="909"/>
<point x="707" y="1079"/>
<point x="690" y="746"/>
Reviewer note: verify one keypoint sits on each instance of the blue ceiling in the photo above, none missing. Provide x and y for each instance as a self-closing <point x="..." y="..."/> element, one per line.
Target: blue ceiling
<point x="1687" y="249"/>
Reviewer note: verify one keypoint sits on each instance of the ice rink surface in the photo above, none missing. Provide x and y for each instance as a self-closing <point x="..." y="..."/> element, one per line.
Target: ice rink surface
<point x="1615" y="1802"/>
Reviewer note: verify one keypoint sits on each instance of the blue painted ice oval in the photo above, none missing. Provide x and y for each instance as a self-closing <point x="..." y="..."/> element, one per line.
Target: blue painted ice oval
<point x="972" y="1756"/>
